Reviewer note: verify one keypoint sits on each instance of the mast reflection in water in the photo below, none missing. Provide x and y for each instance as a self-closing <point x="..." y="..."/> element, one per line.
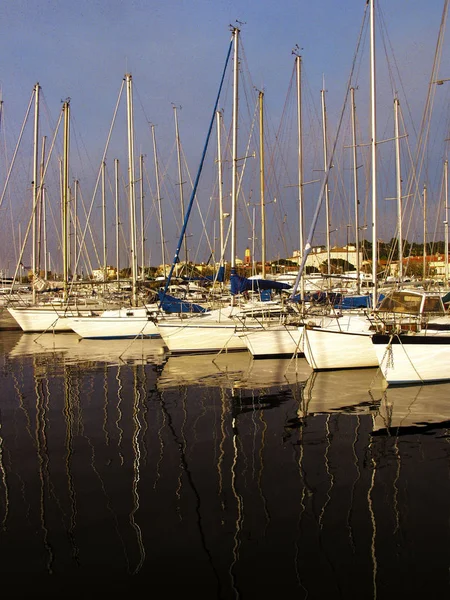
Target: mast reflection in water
<point x="224" y="477"/>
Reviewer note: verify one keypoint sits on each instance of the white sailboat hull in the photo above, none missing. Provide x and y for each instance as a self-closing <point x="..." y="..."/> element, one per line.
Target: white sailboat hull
<point x="38" y="319"/>
<point x="116" y="324"/>
<point x="327" y="349"/>
<point x="206" y="333"/>
<point x="272" y="341"/>
<point x="417" y="358"/>
<point x="287" y="340"/>
<point x="197" y="336"/>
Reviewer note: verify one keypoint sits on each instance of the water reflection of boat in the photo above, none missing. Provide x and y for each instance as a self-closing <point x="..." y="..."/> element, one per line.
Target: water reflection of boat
<point x="111" y="470"/>
<point x="76" y="419"/>
<point x="353" y="391"/>
<point x="405" y="411"/>
<point x="73" y="349"/>
<point x="8" y="339"/>
<point x="234" y="370"/>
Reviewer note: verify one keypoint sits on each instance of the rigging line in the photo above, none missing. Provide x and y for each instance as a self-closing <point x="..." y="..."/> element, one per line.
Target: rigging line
<point x="272" y="180"/>
<point x="410" y="227"/>
<point x="81" y="150"/>
<point x="387" y="42"/>
<point x="81" y="241"/>
<point x="76" y="220"/>
<point x="45" y="110"/>
<point x="197" y="179"/>
<point x="98" y="178"/>
<point x="202" y="218"/>
<point x="407" y="356"/>
<point x="283" y="133"/>
<point x="240" y="179"/>
<point x="426" y="117"/>
<point x="5" y="187"/>
<point x="247" y="155"/>
<point x="147" y="119"/>
<point x="152" y="195"/>
<point x="441" y="201"/>
<point x="411" y="163"/>
<point x="308" y="246"/>
<point x="167" y="186"/>
<point x="205" y="234"/>
<point x="19" y="262"/>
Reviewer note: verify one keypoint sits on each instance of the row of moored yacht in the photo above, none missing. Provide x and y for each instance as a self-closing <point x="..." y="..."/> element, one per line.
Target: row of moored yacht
<point x="407" y="335"/>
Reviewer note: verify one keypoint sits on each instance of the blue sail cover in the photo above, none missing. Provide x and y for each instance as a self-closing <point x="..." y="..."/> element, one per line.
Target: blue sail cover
<point x="337" y="300"/>
<point x="171" y="304"/>
<point x="219" y="276"/>
<point x="362" y="301"/>
<point x="240" y="284"/>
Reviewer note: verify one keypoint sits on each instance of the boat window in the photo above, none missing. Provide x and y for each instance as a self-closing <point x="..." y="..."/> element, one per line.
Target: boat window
<point x="401" y="302"/>
<point x="433" y="304"/>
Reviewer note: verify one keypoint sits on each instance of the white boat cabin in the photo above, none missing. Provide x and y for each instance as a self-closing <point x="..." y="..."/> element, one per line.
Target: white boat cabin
<point x="413" y="302"/>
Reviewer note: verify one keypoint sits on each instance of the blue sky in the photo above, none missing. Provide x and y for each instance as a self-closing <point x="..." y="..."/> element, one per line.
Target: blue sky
<point x="175" y="51"/>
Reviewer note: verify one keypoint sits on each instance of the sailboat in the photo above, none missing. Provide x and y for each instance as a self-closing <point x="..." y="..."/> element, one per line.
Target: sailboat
<point x="52" y="316"/>
<point x="134" y="320"/>
<point x="214" y="331"/>
<point x="421" y="357"/>
<point x="350" y="346"/>
<point x="286" y="338"/>
<point x="123" y="322"/>
<point x="415" y="347"/>
<point x="406" y="347"/>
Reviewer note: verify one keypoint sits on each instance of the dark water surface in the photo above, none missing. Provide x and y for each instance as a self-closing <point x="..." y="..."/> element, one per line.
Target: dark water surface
<point x="123" y="470"/>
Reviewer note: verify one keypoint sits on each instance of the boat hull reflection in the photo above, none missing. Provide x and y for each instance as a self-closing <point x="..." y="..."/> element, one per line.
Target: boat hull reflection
<point x="242" y="476"/>
<point x="232" y="370"/>
<point x="73" y="349"/>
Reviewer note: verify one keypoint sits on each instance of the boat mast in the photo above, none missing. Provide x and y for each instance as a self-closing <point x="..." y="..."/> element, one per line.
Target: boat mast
<point x="19" y="262"/>
<point x="105" y="249"/>
<point x="39" y="211"/>
<point x="76" y="251"/>
<point x="373" y="146"/>
<point x="234" y="177"/>
<point x="399" y="191"/>
<point x="158" y="198"/>
<point x="298" y="70"/>
<point x="355" y="191"/>
<point x="116" y="179"/>
<point x="327" y="189"/>
<point x="44" y="209"/>
<point x="253" y="242"/>
<point x="141" y="190"/>
<point x="424" y="233"/>
<point x="35" y="185"/>
<point x="446" y="222"/>
<point x="220" y="178"/>
<point x="65" y="197"/>
<point x="131" y="184"/>
<point x="262" y="186"/>
<point x="180" y="180"/>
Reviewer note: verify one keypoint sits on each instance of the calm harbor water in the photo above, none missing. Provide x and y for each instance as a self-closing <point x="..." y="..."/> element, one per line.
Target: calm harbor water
<point x="225" y="478"/>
